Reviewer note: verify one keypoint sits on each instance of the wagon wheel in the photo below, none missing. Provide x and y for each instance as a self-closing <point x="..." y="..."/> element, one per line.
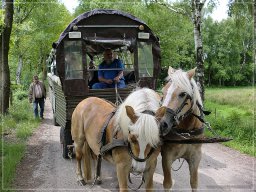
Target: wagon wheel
<point x="54" y="120"/>
<point x="65" y="139"/>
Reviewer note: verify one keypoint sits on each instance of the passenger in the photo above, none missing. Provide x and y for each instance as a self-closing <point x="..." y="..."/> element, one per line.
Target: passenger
<point x="108" y="78"/>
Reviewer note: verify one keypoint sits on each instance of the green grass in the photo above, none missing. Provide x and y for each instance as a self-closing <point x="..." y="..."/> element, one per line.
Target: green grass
<point x="233" y="116"/>
<point x="16" y="127"/>
<point x="12" y="154"/>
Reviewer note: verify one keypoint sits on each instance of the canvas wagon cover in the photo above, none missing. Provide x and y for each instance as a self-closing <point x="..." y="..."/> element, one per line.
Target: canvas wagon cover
<point x="109" y="17"/>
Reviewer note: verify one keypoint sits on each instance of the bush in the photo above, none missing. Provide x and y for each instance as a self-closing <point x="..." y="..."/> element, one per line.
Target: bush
<point x="21" y="110"/>
<point x="20" y="95"/>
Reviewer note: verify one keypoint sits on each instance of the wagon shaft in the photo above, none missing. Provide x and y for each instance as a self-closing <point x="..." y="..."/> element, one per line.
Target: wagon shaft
<point x="198" y="140"/>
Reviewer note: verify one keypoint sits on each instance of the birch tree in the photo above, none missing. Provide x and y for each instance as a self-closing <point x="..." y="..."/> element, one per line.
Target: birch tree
<point x="193" y="10"/>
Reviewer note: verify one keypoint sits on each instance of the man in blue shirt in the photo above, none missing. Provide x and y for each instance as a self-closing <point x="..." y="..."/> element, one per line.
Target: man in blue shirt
<point x="108" y="78"/>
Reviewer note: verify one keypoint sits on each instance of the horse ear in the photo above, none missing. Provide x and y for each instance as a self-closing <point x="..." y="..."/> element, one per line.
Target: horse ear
<point x="191" y="73"/>
<point x="131" y="113"/>
<point x="170" y="71"/>
<point x="160" y="113"/>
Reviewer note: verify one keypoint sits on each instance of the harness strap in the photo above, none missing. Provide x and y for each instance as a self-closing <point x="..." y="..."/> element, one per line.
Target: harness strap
<point x="103" y="129"/>
<point x="113" y="144"/>
<point x="202" y="113"/>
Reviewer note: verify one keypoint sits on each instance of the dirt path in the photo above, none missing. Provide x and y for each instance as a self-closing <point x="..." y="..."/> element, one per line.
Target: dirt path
<point x="43" y="168"/>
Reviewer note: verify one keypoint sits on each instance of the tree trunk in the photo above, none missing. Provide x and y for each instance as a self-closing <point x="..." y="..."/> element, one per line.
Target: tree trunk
<point x="44" y="68"/>
<point x="4" y="48"/>
<point x="196" y="17"/>
<point x="254" y="16"/>
<point x="19" y="69"/>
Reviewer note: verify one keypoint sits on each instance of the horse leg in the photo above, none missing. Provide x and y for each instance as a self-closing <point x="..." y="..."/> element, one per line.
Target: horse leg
<point x="193" y="163"/>
<point x="87" y="162"/>
<point x="166" y="165"/>
<point x="148" y="175"/>
<point x="122" y="171"/>
<point x="123" y="166"/>
<point x="98" y="170"/>
<point x="79" y="155"/>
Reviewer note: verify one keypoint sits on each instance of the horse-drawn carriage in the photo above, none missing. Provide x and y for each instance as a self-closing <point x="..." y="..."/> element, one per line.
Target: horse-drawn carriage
<point x="85" y="39"/>
<point x="144" y="124"/>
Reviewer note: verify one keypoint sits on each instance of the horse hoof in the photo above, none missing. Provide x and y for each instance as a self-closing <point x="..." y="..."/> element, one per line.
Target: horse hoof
<point x="98" y="182"/>
<point x="81" y="182"/>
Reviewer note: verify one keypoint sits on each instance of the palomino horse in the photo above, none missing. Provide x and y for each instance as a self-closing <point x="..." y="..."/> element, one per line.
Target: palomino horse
<point x="184" y="109"/>
<point x="136" y="122"/>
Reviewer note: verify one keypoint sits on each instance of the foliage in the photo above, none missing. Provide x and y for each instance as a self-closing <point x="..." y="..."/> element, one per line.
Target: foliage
<point x="37" y="25"/>
<point x="228" y="48"/>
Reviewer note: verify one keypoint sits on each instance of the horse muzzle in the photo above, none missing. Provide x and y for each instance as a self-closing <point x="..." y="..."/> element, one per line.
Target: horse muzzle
<point x="168" y="122"/>
<point x="138" y="167"/>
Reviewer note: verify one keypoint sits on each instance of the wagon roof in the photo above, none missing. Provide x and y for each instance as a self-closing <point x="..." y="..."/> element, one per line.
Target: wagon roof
<point x="101" y="12"/>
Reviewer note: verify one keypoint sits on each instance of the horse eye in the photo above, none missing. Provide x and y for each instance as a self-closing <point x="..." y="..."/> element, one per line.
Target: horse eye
<point x="183" y="94"/>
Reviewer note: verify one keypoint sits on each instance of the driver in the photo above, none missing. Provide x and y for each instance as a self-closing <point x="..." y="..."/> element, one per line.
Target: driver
<point x="108" y="78"/>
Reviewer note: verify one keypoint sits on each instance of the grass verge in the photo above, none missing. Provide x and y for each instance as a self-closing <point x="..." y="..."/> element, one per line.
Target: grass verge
<point x="233" y="116"/>
<point x="15" y="128"/>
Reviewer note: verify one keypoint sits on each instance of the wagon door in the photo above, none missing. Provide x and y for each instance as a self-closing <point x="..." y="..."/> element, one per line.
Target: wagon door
<point x="75" y="78"/>
<point x="146" y="71"/>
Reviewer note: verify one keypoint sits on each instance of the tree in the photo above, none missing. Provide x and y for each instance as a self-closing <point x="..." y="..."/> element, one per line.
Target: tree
<point x="254" y="16"/>
<point x="4" y="48"/>
<point x="36" y="26"/>
<point x="196" y="7"/>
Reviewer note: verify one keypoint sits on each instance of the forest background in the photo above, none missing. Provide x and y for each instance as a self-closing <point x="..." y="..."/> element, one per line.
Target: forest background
<point x="227" y="44"/>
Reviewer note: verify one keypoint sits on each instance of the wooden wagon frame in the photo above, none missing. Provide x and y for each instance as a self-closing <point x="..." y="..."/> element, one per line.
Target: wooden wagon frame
<point x="86" y="37"/>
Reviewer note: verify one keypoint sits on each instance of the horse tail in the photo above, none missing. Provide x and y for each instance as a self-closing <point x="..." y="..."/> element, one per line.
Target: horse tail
<point x="87" y="161"/>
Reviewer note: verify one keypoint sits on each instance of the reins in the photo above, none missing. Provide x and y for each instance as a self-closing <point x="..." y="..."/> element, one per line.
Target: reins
<point x="118" y="97"/>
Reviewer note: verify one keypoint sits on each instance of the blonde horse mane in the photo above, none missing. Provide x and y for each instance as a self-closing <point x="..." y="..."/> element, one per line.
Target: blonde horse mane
<point x="146" y="126"/>
<point x="181" y="80"/>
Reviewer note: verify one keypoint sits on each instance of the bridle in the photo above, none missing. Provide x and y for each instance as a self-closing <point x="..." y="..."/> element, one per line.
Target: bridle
<point x="176" y="118"/>
<point x="149" y="112"/>
<point x="137" y="158"/>
<point x="175" y="113"/>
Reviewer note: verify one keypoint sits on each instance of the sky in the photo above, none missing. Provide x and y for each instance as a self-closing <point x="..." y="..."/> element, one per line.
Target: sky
<point x="218" y="14"/>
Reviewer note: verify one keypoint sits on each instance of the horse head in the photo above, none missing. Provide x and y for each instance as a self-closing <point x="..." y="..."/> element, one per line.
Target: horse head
<point x="180" y="96"/>
<point x="143" y="136"/>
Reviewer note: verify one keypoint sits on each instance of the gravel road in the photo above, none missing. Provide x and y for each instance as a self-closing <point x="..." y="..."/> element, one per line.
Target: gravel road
<point x="43" y="168"/>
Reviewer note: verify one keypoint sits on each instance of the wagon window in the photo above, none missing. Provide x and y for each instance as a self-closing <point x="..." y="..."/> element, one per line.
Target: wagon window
<point x="145" y="59"/>
<point x="73" y="60"/>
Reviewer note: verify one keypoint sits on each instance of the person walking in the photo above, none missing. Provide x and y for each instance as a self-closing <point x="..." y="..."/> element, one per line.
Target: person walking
<point x="37" y="95"/>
